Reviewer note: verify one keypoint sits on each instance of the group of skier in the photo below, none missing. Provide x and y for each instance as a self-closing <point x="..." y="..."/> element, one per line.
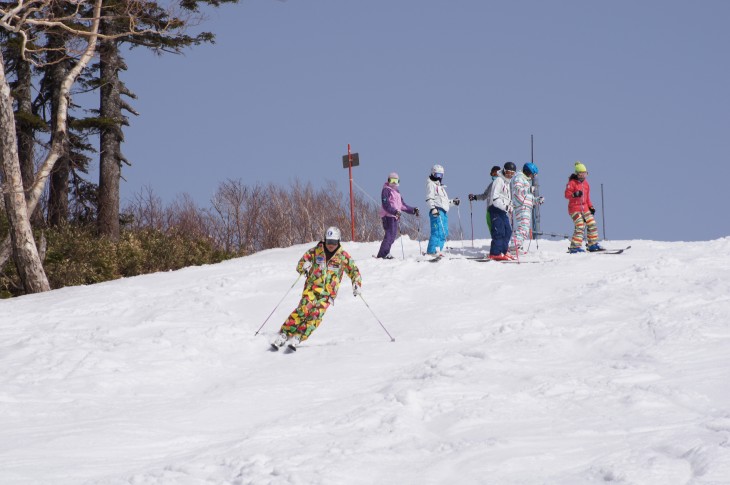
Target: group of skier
<point x="510" y="194"/>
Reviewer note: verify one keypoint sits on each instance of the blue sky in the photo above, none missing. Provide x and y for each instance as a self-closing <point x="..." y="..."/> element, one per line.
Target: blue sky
<point x="636" y="90"/>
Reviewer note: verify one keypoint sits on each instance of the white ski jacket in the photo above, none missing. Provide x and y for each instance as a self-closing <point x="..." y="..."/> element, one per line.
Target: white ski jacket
<point x="436" y="195"/>
<point x="501" y="196"/>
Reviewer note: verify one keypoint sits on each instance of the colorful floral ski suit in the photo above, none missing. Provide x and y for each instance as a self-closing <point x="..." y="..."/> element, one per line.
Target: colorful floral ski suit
<point x="320" y="289"/>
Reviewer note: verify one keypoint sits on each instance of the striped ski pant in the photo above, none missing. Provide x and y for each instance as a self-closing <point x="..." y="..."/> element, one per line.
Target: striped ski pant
<point x="522" y="223"/>
<point x="307" y="316"/>
<point x="583" y="220"/>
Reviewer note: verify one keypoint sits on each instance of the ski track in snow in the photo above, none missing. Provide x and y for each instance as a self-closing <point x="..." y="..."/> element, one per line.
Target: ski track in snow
<point x="582" y="369"/>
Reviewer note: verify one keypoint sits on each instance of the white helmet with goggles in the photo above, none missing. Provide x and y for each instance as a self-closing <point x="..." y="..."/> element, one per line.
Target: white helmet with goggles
<point x="332" y="235"/>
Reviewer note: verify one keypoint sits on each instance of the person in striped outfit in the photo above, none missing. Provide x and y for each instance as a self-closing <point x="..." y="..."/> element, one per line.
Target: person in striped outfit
<point x="581" y="210"/>
<point x="523" y="201"/>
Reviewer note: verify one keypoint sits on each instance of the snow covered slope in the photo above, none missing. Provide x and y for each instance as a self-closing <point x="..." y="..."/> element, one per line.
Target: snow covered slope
<point x="581" y="369"/>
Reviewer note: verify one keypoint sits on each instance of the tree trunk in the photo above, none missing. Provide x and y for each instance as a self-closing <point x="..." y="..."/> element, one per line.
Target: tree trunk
<point x="25" y="131"/>
<point x="26" y="128"/>
<point x="110" y="160"/>
<point x="58" y="187"/>
<point x="25" y="253"/>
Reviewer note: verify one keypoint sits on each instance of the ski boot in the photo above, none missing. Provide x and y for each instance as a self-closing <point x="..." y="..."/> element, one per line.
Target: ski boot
<point x="578" y="249"/>
<point x="595" y="247"/>
<point x="293" y="343"/>
<point x="279" y="341"/>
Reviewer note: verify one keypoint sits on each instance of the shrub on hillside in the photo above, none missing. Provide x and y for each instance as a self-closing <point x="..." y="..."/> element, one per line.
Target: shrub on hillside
<point x="77" y="256"/>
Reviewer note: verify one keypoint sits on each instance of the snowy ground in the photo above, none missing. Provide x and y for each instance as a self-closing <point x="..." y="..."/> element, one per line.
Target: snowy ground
<point x="582" y="369"/>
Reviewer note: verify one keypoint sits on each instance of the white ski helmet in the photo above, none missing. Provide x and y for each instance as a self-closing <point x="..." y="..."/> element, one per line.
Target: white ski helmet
<point x="437" y="171"/>
<point x="332" y="234"/>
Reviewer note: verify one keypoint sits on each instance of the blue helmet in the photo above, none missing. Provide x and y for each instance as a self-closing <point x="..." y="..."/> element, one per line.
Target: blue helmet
<point x="530" y="169"/>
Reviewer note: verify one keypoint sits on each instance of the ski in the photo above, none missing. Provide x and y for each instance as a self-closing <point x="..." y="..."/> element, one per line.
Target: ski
<point x="285" y="349"/>
<point x="514" y="261"/>
<point x="605" y="251"/>
<point x="434" y="259"/>
<point x="613" y="251"/>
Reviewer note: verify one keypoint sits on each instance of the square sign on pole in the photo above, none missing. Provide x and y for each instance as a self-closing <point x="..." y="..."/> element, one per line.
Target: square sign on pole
<point x="347" y="158"/>
<point x="348" y="161"/>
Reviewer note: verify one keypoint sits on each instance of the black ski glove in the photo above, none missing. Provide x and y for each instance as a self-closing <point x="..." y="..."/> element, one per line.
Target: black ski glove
<point x="415" y="212"/>
<point x="592" y="209"/>
<point x="456" y="201"/>
<point x="577" y="193"/>
<point x="472" y="197"/>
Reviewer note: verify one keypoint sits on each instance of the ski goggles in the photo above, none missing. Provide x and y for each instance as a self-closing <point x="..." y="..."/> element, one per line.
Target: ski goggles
<point x="438" y="176"/>
<point x="331" y="242"/>
<point x="393" y="181"/>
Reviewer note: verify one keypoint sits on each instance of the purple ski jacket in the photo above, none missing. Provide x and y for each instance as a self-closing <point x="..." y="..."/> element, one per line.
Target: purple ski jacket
<point x="392" y="202"/>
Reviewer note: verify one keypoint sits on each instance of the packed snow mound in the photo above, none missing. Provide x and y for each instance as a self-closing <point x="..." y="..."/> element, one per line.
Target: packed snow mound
<point x="586" y="368"/>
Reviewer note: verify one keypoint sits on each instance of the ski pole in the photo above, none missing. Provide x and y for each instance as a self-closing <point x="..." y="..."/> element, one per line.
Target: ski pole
<point x="471" y="217"/>
<point x="392" y="339"/>
<point x="277" y="305"/>
<point x="551" y="234"/>
<point x="418" y="235"/>
<point x="461" y="229"/>
<point x="402" y="250"/>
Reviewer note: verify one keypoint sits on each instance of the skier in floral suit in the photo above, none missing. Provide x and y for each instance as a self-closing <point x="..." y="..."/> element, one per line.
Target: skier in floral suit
<point x="324" y="266"/>
<point x="523" y="201"/>
<point x="581" y="210"/>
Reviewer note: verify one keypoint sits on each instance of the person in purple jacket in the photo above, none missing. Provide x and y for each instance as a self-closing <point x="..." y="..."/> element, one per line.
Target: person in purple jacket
<point x="390" y="211"/>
